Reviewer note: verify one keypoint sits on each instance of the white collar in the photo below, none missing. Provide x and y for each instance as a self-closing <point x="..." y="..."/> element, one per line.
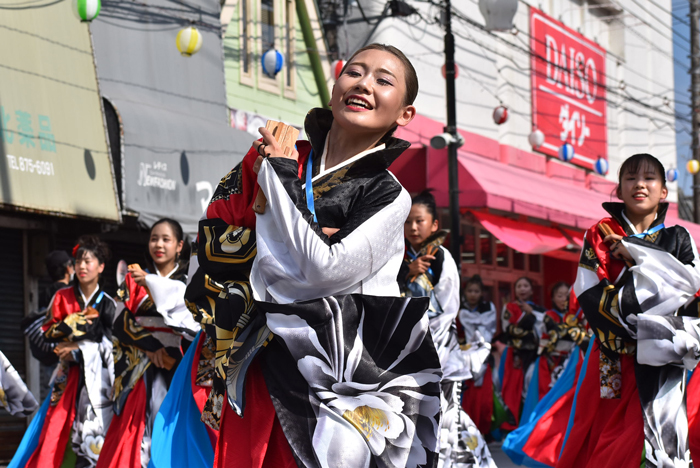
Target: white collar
<point x="629" y="223"/>
<point x="169" y="274"/>
<point x="86" y="301"/>
<point x="322" y="168"/>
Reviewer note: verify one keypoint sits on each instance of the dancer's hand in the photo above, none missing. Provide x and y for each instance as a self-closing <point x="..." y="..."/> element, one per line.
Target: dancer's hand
<point x="138" y="275"/>
<point x="420" y="265"/>
<point x="157" y="358"/>
<point x="63" y="350"/>
<point x="617" y="248"/>
<point x="269" y="148"/>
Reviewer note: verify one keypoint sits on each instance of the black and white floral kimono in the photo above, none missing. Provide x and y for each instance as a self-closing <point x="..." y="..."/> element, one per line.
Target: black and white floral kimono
<point x="461" y="444"/>
<point x="352" y="370"/>
<point x="15" y="397"/>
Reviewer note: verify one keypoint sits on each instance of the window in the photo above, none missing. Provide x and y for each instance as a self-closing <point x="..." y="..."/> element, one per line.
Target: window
<point x="246" y="57"/>
<point x="268" y="31"/>
<point x="486" y="247"/>
<point x="501" y="254"/>
<point x="289" y="49"/>
<point x="518" y="260"/>
<point x="535" y="263"/>
<point x="469" y="245"/>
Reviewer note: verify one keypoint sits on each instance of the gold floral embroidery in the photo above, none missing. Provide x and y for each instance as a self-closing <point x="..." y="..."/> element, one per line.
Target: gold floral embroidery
<point x="610" y="377"/>
<point x="206" y="364"/>
<point x="211" y="414"/>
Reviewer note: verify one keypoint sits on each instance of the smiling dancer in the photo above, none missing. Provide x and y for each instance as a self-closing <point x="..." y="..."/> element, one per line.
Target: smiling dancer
<point x="70" y="428"/>
<point x="634" y="280"/>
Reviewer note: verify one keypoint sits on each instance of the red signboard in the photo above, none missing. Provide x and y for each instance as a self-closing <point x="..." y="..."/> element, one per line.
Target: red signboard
<point x="568" y="90"/>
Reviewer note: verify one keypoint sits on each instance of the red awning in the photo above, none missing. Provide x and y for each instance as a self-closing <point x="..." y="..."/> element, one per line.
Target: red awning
<point x="523" y="236"/>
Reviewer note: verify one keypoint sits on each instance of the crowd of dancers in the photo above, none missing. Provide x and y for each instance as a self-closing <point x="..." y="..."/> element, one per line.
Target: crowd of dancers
<point x="332" y="329"/>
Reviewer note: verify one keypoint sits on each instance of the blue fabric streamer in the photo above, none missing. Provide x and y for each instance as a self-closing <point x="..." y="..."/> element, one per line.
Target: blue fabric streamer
<point x="502" y="369"/>
<point x="30" y="440"/>
<point x="180" y="438"/>
<point x="516" y="440"/>
<point x="309" y="185"/>
<point x="581" y="377"/>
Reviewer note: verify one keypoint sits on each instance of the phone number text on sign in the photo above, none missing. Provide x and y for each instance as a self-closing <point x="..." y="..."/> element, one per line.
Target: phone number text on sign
<point x="568" y="90"/>
<point x="19" y="163"/>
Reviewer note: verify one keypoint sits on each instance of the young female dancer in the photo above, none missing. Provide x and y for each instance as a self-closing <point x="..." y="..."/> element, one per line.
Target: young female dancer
<point x="344" y="357"/>
<point x="151" y="320"/>
<point x="635" y="276"/>
<point x="477" y="318"/>
<point x="521" y="325"/>
<point x="79" y="320"/>
<point x="429" y="270"/>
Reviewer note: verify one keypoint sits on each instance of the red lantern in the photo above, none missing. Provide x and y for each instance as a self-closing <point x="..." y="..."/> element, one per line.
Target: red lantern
<point x="500" y="115"/>
<point x="444" y="71"/>
<point x="337" y="67"/>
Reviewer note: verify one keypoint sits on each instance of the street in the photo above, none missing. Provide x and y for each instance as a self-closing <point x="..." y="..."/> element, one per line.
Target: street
<point x="500" y="458"/>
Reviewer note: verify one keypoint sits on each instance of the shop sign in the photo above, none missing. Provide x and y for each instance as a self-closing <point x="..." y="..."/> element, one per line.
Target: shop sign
<point x="568" y="90"/>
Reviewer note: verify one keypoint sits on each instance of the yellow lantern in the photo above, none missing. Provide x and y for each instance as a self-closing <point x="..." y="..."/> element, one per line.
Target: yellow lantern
<point x="189" y="41"/>
<point x="693" y="166"/>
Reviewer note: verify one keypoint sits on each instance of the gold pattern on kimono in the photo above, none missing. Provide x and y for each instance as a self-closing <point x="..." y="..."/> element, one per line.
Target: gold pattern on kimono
<point x="367" y="420"/>
<point x="206" y="364"/>
<point x="136" y="365"/>
<point x="608" y="306"/>
<point x="60" y="381"/>
<point x="211" y="414"/>
<point x="610" y="377"/>
<point x="330" y="181"/>
<point x="72" y="321"/>
<point x="239" y="245"/>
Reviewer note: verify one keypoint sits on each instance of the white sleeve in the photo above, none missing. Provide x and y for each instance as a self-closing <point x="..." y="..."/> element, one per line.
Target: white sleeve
<point x="295" y="262"/>
<point x="168" y="295"/>
<point x="447" y="289"/>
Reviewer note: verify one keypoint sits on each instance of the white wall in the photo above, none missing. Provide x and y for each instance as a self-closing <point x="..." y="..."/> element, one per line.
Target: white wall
<point x="639" y="69"/>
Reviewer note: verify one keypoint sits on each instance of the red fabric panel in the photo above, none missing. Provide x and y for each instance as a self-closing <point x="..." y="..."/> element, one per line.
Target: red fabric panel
<point x="122" y="445"/>
<point x="693" y="405"/>
<point x="136" y="294"/>
<point x="512" y="389"/>
<point x="544" y="444"/>
<point x="200" y="394"/>
<point x="256" y="440"/>
<point x="64" y="303"/>
<point x="606" y="433"/>
<point x="477" y="402"/>
<point x="522" y="236"/>
<point x="57" y="426"/>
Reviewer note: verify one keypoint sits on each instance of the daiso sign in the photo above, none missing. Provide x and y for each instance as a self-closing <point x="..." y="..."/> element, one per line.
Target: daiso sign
<point x="568" y="90"/>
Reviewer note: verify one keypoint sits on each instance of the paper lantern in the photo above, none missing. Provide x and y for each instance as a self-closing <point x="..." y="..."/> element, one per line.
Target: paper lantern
<point x="500" y="115"/>
<point x="189" y="41"/>
<point x="86" y="10"/>
<point x="693" y="166"/>
<point x="566" y="152"/>
<point x="272" y="62"/>
<point x="672" y="175"/>
<point x="601" y="166"/>
<point x="498" y="14"/>
<point x="536" y="138"/>
<point x="444" y="71"/>
<point x="337" y="67"/>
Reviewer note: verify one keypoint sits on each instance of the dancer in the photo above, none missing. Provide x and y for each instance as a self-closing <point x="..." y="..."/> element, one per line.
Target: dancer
<point x="429" y="270"/>
<point x="521" y="325"/>
<point x="477" y="318"/>
<point x="635" y="276"/>
<point x="79" y="407"/>
<point x="151" y="321"/>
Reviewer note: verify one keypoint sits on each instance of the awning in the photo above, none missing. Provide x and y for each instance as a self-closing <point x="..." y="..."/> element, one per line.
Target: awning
<point x="523" y="236"/>
<point x="177" y="143"/>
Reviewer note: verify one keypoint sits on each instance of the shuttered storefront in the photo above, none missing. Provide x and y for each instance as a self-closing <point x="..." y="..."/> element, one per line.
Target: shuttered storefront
<point x="11" y="338"/>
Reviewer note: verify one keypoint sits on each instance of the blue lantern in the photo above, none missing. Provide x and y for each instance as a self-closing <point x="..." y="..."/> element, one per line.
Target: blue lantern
<point x="272" y="62"/>
<point x="601" y="166"/>
<point x="566" y="152"/>
<point x="672" y="175"/>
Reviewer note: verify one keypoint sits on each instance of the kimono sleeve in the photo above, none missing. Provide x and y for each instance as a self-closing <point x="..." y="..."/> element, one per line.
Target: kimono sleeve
<point x="297" y="261"/>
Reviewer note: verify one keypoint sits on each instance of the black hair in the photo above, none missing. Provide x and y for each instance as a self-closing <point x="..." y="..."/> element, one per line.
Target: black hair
<point x="632" y="165"/>
<point x="476" y="279"/>
<point x="426" y="198"/>
<point x="174" y="225"/>
<point x="558" y="285"/>
<point x="58" y="272"/>
<point x="92" y="244"/>
<point x="532" y="284"/>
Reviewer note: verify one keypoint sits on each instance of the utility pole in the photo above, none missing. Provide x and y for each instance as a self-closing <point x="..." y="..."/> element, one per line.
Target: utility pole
<point x="451" y="128"/>
<point x="695" y="93"/>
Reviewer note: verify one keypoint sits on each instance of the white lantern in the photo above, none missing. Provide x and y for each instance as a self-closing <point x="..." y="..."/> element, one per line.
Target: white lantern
<point x="498" y="14"/>
<point x="189" y="41"/>
<point x="86" y="10"/>
<point x="272" y="62"/>
<point x="672" y="174"/>
<point x="337" y="67"/>
<point x="500" y="115"/>
<point x="601" y="166"/>
<point x="536" y="138"/>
